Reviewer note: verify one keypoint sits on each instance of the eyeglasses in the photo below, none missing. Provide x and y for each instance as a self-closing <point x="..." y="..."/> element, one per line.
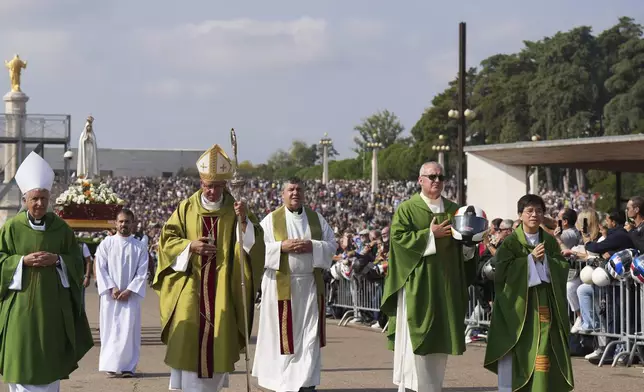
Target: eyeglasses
<point x="434" y="177"/>
<point x="529" y="212"/>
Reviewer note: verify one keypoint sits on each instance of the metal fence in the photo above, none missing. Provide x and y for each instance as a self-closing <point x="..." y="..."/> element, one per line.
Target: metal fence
<point x="614" y="314"/>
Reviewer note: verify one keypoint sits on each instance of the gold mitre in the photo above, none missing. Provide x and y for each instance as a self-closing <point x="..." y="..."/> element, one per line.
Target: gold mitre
<point x="214" y="165"/>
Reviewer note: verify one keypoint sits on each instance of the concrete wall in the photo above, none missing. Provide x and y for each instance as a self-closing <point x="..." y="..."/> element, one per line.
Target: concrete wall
<point x="494" y="187"/>
<point x="130" y="162"/>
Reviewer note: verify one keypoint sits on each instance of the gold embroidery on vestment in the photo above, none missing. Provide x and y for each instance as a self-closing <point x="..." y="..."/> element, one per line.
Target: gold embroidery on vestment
<point x="544" y="314"/>
<point x="542" y="363"/>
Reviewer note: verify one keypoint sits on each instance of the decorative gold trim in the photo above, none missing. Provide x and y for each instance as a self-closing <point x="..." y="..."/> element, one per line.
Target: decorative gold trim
<point x="544" y="314"/>
<point x="542" y="364"/>
<point x="206" y="330"/>
<point x="285" y="345"/>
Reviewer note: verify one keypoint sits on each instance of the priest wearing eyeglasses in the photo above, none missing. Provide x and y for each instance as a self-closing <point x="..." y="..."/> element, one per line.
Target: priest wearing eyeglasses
<point x="44" y="331"/>
<point x="425" y="294"/>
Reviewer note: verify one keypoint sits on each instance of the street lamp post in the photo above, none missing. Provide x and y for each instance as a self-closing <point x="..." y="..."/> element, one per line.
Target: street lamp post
<point x="375" y="146"/>
<point x="460" y="144"/>
<point x="442" y="147"/>
<point x="326" y="142"/>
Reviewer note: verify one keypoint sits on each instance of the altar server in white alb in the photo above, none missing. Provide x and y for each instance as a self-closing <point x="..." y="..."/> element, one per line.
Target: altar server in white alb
<point x="121" y="272"/>
<point x="299" y="246"/>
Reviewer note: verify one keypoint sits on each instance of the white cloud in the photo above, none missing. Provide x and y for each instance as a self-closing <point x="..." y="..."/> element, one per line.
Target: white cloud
<point x="238" y="44"/>
<point x="365" y="29"/>
<point x="36" y="42"/>
<point x="175" y="88"/>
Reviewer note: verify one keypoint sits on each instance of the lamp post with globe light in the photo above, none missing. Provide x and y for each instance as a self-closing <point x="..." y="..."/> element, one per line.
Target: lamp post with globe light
<point x="442" y="146"/>
<point x="374" y="146"/>
<point x="326" y="143"/>
<point x="462" y="114"/>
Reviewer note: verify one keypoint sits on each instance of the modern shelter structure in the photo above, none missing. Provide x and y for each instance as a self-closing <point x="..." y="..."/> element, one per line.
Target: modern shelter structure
<point x="497" y="174"/>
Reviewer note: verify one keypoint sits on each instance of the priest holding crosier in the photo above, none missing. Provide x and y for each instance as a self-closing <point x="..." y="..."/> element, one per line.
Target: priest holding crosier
<point x="45" y="331"/>
<point x="299" y="246"/>
<point x="198" y="279"/>
<point x="121" y="272"/>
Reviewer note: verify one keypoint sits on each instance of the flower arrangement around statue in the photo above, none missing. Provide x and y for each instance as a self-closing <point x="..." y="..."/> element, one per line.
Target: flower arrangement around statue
<point x="88" y="200"/>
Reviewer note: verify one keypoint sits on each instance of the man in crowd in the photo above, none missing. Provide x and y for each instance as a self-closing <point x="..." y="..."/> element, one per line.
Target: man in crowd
<point x="198" y="279"/>
<point x="528" y="336"/>
<point x="635" y="226"/>
<point x="45" y="329"/>
<point x="425" y="294"/>
<point x="121" y="270"/>
<point x="299" y="246"/>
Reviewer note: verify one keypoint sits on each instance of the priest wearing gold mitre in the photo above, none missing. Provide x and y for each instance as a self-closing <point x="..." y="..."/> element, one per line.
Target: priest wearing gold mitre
<point x="198" y="280"/>
<point x="43" y="328"/>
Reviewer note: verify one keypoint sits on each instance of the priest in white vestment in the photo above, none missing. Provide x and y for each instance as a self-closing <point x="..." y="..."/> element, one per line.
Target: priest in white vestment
<point x="299" y="246"/>
<point x="121" y="272"/>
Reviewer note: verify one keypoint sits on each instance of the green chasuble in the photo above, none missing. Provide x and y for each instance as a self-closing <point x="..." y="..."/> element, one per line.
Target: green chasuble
<point x="435" y="285"/>
<point x="202" y="314"/>
<point x="44" y="331"/>
<point x="530" y="323"/>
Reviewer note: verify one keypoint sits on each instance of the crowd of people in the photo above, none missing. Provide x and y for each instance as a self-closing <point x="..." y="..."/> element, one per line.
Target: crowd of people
<point x="346" y="204"/>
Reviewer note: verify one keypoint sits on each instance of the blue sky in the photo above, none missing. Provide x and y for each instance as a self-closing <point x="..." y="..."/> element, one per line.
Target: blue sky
<point x="168" y="74"/>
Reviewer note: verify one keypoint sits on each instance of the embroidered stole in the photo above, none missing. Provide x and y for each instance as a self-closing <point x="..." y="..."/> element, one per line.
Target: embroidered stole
<point x="207" y="291"/>
<point x="283" y="277"/>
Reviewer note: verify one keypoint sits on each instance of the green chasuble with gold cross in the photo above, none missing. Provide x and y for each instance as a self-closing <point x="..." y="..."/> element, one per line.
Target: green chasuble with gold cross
<point x="202" y="312"/>
<point x="435" y="285"/>
<point x="44" y="331"/>
<point x="530" y="323"/>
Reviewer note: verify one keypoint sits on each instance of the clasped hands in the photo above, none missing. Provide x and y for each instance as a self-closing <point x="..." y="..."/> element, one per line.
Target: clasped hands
<point x="297" y="246"/>
<point x="120" y="295"/>
<point x="40" y="259"/>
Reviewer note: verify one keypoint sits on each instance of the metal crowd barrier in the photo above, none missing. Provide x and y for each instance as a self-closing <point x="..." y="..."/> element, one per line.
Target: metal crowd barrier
<point x="617" y="312"/>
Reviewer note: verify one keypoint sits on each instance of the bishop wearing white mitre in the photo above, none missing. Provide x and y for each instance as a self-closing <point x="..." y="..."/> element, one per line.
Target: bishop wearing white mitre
<point x="121" y="272"/>
<point x="299" y="246"/>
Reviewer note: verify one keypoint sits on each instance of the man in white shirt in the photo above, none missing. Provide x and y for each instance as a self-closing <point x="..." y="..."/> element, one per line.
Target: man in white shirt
<point x="121" y="271"/>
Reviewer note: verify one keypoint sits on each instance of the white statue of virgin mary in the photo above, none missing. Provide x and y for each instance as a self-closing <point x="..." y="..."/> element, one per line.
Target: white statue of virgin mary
<point x="87" y="162"/>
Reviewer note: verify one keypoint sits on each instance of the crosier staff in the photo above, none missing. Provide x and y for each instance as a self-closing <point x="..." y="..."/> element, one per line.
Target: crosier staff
<point x="236" y="185"/>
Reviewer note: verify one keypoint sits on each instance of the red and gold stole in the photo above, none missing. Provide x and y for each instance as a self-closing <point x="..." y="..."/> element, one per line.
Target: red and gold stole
<point x="283" y="277"/>
<point x="207" y="292"/>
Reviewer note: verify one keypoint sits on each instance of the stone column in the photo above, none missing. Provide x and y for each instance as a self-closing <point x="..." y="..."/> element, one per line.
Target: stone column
<point x="15" y="105"/>
<point x="374" y="171"/>
<point x="325" y="164"/>
<point x="441" y="160"/>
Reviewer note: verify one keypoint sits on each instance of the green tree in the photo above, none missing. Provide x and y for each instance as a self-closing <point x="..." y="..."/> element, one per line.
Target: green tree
<point x="384" y="125"/>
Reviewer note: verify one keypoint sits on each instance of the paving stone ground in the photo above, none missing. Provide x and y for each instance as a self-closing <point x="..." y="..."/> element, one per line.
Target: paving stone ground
<point x="355" y="359"/>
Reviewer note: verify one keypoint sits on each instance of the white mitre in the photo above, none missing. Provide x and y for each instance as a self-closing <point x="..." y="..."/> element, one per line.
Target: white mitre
<point x="34" y="173"/>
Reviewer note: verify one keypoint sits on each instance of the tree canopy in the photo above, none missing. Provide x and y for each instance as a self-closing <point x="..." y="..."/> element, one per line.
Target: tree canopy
<point x="574" y="84"/>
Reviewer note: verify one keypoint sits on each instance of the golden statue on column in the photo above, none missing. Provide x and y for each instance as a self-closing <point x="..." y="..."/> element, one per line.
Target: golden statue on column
<point x="15" y="67"/>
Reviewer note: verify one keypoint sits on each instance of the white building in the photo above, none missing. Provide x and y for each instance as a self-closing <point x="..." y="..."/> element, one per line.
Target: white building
<point x="117" y="162"/>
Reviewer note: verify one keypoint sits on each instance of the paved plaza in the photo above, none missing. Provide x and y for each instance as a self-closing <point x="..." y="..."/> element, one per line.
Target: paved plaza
<point x="355" y="359"/>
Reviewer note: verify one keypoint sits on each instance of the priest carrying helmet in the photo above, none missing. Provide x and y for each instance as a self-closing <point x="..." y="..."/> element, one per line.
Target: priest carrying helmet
<point x="198" y="279"/>
<point x="45" y="329"/>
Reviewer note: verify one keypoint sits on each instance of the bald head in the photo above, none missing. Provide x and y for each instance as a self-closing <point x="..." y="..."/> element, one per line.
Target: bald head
<point x="428" y="166"/>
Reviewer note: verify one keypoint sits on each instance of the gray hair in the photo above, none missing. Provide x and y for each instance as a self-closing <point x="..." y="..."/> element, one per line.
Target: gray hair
<point x="427" y="165"/>
<point x="506" y="224"/>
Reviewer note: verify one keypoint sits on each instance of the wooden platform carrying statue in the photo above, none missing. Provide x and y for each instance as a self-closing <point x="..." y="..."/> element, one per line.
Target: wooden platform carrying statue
<point x="89" y="204"/>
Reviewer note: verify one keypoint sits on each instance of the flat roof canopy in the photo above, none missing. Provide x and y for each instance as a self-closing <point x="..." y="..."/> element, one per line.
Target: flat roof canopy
<point x="608" y="153"/>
